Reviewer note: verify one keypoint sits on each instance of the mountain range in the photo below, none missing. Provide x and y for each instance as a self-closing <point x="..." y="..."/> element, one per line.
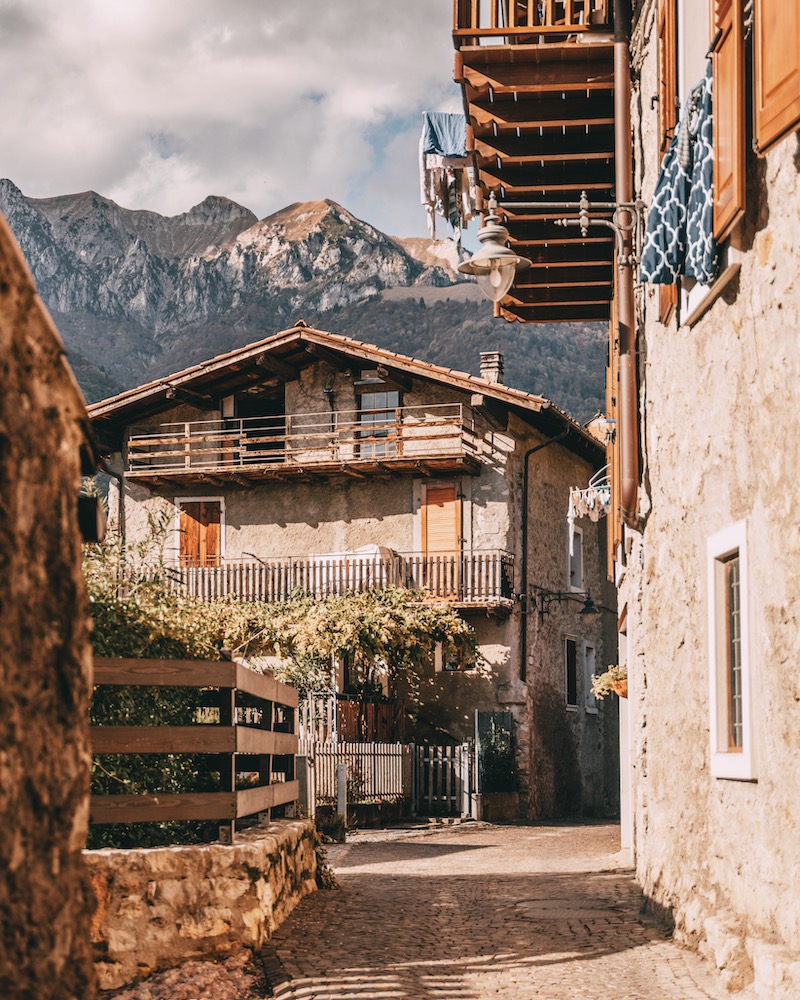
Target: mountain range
<point x="137" y="295"/>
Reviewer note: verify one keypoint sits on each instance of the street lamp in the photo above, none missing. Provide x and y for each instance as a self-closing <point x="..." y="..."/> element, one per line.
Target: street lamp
<point x="495" y="265"/>
<point x="543" y="598"/>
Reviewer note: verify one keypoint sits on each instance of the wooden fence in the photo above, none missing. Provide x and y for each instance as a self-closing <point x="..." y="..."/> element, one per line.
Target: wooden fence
<point x="445" y="779"/>
<point x="251" y="729"/>
<point x="432" y="780"/>
<point x="375" y="771"/>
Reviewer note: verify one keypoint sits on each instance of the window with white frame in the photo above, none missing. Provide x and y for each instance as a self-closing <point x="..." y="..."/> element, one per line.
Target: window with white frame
<point x="571" y="672"/>
<point x="575" y="560"/>
<point x="589" y="670"/>
<point x="729" y="660"/>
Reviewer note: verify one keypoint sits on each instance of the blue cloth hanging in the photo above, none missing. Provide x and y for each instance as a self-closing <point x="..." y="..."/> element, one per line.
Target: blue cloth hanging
<point x="680" y="226"/>
<point x="444" y="134"/>
<point x="702" y="254"/>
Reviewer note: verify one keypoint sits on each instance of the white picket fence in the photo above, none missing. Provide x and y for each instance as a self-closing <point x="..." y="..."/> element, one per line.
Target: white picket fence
<point x="432" y="780"/>
<point x="375" y="771"/>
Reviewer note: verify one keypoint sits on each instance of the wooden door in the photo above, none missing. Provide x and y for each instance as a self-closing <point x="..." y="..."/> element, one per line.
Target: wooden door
<point x="200" y="532"/>
<point x="441" y="537"/>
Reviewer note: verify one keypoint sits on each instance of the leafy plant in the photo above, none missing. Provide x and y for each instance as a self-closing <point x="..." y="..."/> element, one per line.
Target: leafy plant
<point x="139" y="611"/>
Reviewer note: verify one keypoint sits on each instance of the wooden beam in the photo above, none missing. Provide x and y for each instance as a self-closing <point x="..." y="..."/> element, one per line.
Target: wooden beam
<point x="491" y="410"/>
<point x="348" y="470"/>
<point x="509" y="114"/>
<point x="400" y="379"/>
<point x="560" y="146"/>
<point x="272" y="364"/>
<point x="335" y="360"/>
<point x="528" y="78"/>
<point x="195" y="398"/>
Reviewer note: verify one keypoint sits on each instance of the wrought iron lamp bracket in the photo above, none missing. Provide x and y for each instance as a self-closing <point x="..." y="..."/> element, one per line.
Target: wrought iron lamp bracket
<point x="627" y="221"/>
<point x="541" y="598"/>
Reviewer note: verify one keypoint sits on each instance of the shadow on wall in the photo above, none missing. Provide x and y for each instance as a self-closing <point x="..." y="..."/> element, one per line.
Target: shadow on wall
<point x="557" y="789"/>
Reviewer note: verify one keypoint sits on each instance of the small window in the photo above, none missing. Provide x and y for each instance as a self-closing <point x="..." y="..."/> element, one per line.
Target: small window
<point x="731" y="739"/>
<point x="589" y="670"/>
<point x="377" y="423"/>
<point x="571" y="671"/>
<point x="575" y="561"/>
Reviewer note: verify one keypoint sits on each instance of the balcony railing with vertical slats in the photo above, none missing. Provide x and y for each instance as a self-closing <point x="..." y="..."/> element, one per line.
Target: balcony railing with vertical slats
<point x="477" y="20"/>
<point x="471" y="577"/>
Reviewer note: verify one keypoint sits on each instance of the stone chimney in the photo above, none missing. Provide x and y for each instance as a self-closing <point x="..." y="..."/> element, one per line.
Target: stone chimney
<point x="492" y="363"/>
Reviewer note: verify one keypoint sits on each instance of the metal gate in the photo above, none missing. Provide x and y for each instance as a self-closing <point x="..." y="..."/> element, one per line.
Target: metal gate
<point x="444" y="780"/>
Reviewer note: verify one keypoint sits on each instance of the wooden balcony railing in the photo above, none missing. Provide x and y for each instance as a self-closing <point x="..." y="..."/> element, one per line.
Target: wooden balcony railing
<point x="253" y="731"/>
<point x="302" y="440"/>
<point x="522" y="20"/>
<point x="472" y="577"/>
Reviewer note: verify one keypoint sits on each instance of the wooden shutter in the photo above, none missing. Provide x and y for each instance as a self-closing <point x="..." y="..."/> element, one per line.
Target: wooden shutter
<point x="441" y="518"/>
<point x="667" y="72"/>
<point x="200" y="523"/>
<point x="729" y="116"/>
<point x="776" y="57"/>
<point x="667" y="117"/>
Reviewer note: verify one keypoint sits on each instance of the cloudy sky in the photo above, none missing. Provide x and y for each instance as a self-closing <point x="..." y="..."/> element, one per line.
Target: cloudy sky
<point x="159" y="103"/>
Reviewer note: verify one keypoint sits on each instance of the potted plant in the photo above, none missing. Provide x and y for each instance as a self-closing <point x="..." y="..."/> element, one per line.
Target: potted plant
<point x="614" y="679"/>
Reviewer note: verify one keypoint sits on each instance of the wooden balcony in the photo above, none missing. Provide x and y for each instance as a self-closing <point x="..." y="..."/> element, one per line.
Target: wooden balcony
<point x="401" y="440"/>
<point x="538" y="84"/>
<point x="480" y="579"/>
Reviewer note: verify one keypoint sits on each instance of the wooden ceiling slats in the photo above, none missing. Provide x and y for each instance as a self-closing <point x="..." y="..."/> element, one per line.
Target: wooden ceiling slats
<point x="563" y="313"/>
<point x="508" y="114"/>
<point x="541" y="119"/>
<point x="554" y="78"/>
<point x="550" y="295"/>
<point x="552" y="147"/>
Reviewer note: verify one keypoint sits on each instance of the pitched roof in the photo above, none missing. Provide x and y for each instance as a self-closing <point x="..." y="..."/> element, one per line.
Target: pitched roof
<point x="295" y="348"/>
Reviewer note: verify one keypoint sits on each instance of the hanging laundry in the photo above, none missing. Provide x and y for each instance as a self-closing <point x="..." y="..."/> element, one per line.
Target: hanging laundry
<point x="447" y="188"/>
<point x="680" y="238"/>
<point x="702" y="254"/>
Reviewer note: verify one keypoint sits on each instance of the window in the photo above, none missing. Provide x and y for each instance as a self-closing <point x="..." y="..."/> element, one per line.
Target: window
<point x="731" y="737"/>
<point x="589" y="670"/>
<point x="575" y="561"/>
<point x="200" y="523"/>
<point x="571" y="671"/>
<point x="377" y="422"/>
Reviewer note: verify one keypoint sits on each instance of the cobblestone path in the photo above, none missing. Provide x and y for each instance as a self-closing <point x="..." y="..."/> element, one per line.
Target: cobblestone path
<point x="473" y="912"/>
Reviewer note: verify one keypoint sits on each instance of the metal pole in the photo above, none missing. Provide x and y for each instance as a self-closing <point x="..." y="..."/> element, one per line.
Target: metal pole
<point x="628" y="424"/>
<point x="341" y="791"/>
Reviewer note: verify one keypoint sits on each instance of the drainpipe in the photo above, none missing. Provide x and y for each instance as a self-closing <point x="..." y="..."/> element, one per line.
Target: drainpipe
<point x="523" y="644"/>
<point x="628" y="424"/>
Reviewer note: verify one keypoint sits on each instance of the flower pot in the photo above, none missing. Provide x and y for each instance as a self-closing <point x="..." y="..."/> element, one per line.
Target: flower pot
<point x="620" y="688"/>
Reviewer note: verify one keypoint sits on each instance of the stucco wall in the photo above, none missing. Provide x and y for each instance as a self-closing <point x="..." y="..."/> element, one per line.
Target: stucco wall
<point x="45" y="660"/>
<point x="721" y="445"/>
<point x="161" y="906"/>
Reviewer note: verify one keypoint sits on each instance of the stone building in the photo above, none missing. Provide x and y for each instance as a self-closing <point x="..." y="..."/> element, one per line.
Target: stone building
<point x="45" y="658"/>
<point x="315" y="461"/>
<point x="691" y="107"/>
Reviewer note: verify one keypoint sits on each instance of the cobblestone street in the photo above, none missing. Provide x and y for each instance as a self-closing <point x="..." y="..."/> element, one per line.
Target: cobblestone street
<point x="474" y="912"/>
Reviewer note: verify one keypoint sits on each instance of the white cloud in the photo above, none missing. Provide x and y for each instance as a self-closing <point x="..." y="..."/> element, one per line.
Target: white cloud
<point x="159" y="104"/>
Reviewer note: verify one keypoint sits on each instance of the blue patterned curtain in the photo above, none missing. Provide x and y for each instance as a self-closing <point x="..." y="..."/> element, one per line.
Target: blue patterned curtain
<point x="680" y="226"/>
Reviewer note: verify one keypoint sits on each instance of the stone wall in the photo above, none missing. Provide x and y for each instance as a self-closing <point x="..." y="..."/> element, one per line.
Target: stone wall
<point x="45" y="662"/>
<point x="573" y="750"/>
<point x="720" y="442"/>
<point x="158" y="907"/>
